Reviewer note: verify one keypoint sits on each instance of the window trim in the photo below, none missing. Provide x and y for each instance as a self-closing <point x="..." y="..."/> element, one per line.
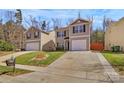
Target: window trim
<point x="79" y="28"/>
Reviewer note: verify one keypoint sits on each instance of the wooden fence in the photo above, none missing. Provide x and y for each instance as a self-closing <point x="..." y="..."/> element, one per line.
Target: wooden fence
<point x="97" y="46"/>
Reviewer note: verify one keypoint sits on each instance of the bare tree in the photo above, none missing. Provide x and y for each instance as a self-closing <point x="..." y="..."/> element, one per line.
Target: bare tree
<point x="91" y="19"/>
<point x="38" y="23"/>
<point x="106" y="22"/>
<point x="57" y="23"/>
<point x="69" y="20"/>
<point x="10" y="15"/>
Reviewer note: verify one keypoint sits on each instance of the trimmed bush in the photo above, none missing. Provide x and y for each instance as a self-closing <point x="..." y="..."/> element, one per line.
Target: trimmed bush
<point x="60" y="48"/>
<point x="5" y="46"/>
<point x="115" y="48"/>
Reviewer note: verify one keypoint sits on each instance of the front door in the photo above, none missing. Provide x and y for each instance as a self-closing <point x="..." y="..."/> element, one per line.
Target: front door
<point x="66" y="45"/>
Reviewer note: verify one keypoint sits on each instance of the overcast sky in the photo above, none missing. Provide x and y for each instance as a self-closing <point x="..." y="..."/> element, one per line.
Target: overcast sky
<point x="48" y="14"/>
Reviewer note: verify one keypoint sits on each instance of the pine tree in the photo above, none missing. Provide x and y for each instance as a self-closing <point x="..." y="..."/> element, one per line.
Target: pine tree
<point x="18" y="16"/>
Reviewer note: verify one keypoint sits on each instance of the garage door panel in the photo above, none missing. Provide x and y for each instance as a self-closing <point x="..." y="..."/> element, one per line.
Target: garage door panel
<point x="32" y="46"/>
<point x="79" y="45"/>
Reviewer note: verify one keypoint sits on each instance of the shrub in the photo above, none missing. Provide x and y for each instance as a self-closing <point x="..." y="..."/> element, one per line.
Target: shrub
<point x="115" y="48"/>
<point x="5" y="46"/>
<point x="60" y="48"/>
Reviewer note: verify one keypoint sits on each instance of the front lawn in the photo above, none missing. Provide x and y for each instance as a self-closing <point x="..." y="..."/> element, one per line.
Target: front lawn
<point x="116" y="60"/>
<point x="9" y="71"/>
<point x="27" y="59"/>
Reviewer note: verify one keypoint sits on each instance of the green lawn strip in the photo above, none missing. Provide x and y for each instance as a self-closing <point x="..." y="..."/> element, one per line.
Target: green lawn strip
<point x="116" y="60"/>
<point x="9" y="71"/>
<point x="26" y="59"/>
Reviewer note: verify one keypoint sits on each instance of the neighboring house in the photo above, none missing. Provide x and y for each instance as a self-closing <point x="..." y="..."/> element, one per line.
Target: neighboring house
<point x="114" y="35"/>
<point x="36" y="39"/>
<point x="14" y="34"/>
<point x="75" y="36"/>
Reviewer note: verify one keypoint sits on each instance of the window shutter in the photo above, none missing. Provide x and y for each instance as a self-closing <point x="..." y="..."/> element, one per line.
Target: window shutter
<point x="65" y="33"/>
<point x="73" y="29"/>
<point x="84" y="28"/>
<point x="57" y="34"/>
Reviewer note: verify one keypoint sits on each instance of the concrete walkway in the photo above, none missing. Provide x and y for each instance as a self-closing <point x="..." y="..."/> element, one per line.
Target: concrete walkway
<point x="72" y="67"/>
<point x="32" y="68"/>
<point x="114" y="76"/>
<point x="3" y="58"/>
<point x="26" y="67"/>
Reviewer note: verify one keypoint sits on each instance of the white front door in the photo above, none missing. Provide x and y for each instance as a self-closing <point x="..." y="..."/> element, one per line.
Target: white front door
<point x="79" y="45"/>
<point x="33" y="46"/>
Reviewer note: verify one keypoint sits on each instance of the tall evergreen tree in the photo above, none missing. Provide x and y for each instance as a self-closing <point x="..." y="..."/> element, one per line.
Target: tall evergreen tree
<point x="18" y="16"/>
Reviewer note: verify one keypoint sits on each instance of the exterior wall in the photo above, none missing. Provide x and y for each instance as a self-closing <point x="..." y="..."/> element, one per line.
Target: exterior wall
<point x="48" y="41"/>
<point x="82" y="35"/>
<point x="60" y="40"/>
<point x="31" y="31"/>
<point x="114" y="35"/>
<point x="32" y="39"/>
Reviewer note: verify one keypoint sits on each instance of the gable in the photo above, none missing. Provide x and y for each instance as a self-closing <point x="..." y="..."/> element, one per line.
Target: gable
<point x="79" y="21"/>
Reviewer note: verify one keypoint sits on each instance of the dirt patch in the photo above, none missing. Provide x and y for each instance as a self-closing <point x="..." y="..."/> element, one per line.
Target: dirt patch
<point x="40" y="57"/>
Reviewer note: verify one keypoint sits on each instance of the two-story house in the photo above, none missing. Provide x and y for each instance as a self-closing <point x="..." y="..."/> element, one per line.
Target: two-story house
<point x="36" y="39"/>
<point x="114" y="35"/>
<point x="75" y="36"/>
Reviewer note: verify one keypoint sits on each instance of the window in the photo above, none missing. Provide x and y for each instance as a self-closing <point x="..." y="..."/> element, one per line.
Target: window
<point x="57" y="34"/>
<point x="79" y="29"/>
<point x="60" y="34"/>
<point x="28" y="35"/>
<point x="36" y="34"/>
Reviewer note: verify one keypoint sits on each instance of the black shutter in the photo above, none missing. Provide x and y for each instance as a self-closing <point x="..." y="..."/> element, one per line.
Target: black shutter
<point x="84" y="28"/>
<point x="65" y="33"/>
<point x="57" y="34"/>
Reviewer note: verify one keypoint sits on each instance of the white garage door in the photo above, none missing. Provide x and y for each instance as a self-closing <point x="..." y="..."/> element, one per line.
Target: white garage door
<point x="32" y="46"/>
<point x="79" y="45"/>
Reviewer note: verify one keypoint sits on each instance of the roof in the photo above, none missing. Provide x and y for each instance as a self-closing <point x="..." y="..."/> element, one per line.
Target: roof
<point x="36" y="29"/>
<point x="80" y="20"/>
<point x="62" y="28"/>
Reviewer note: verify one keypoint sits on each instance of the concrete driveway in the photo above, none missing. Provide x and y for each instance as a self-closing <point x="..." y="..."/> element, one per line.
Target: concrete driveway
<point x="75" y="67"/>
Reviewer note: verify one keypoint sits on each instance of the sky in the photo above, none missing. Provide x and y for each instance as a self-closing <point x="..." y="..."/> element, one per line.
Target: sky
<point x="64" y="14"/>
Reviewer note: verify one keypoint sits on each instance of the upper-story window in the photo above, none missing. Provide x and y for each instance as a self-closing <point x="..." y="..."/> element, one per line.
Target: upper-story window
<point x="36" y="34"/>
<point x="28" y="35"/>
<point x="79" y="28"/>
<point x="61" y="34"/>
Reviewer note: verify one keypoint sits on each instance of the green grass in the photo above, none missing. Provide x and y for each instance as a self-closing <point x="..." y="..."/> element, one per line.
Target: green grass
<point x="26" y="58"/>
<point x="9" y="71"/>
<point x="116" y="60"/>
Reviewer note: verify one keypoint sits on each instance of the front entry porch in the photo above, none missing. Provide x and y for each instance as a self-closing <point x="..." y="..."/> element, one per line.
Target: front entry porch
<point x="66" y="44"/>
